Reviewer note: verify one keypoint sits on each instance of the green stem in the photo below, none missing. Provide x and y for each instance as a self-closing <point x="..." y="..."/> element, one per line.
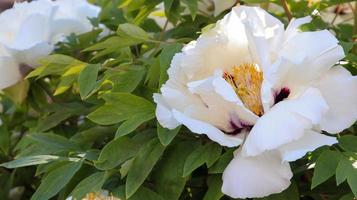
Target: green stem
<point x="354" y="36"/>
<point x="286" y="9"/>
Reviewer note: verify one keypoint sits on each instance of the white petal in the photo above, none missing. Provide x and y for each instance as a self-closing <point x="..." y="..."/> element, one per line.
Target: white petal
<point x="217" y="48"/>
<point x="222" y="102"/>
<point x="79" y="9"/>
<point x="33" y="30"/>
<point x="72" y="17"/>
<point x="250" y="177"/>
<point x="293" y="27"/>
<point x="339" y="88"/>
<point x="61" y="28"/>
<point x="32" y="55"/>
<point x="17" y="20"/>
<point x="309" y="142"/>
<point x="285" y="122"/>
<point x="264" y="33"/>
<point x="10" y="73"/>
<point x="164" y="114"/>
<point x="309" y="55"/>
<point x="212" y="132"/>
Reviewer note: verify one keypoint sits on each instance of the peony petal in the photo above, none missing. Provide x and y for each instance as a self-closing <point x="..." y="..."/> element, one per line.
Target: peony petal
<point x="61" y="28"/>
<point x="10" y="72"/>
<point x="264" y="33"/>
<point x="73" y="17"/>
<point x="285" y="122"/>
<point x="250" y="177"/>
<point x="212" y="132"/>
<point x="309" y="55"/>
<point x="309" y="142"/>
<point x="217" y="48"/>
<point x="164" y="114"/>
<point x="339" y="88"/>
<point x="12" y="21"/>
<point x="294" y="25"/>
<point x="32" y="55"/>
<point x="33" y="30"/>
<point x="222" y="102"/>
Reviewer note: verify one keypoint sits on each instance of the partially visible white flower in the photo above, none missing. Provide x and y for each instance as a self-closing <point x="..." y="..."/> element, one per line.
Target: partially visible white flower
<point x="30" y="30"/>
<point x="101" y="195"/>
<point x="249" y="79"/>
<point x="73" y="17"/>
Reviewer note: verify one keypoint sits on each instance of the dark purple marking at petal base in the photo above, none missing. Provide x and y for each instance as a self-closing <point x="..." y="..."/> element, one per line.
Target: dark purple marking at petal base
<point x="281" y="95"/>
<point x="238" y="128"/>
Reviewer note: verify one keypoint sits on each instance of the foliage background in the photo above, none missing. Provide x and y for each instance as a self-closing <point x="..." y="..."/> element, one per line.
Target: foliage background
<point x="84" y="120"/>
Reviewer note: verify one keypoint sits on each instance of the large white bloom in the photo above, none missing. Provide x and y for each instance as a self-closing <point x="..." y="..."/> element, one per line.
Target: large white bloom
<point x="249" y="78"/>
<point x="29" y="32"/>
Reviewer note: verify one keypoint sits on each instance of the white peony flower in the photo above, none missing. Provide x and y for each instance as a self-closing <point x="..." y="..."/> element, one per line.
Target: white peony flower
<point x="100" y="195"/>
<point x="73" y="17"/>
<point x="249" y="79"/>
<point x="29" y="32"/>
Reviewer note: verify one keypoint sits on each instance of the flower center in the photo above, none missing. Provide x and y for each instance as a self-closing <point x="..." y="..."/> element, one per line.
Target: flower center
<point x="246" y="80"/>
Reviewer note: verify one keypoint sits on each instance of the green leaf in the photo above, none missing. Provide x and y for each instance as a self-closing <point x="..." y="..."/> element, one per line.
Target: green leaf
<point x="124" y="168"/>
<point x="113" y="44"/>
<point x="132" y="123"/>
<point x="55" y="181"/>
<point x="54" y="140"/>
<point x="120" y="107"/>
<point x="127" y="79"/>
<point x="166" y="56"/>
<point x="142" y="165"/>
<point x="168" y="5"/>
<point x="132" y="31"/>
<point x="30" y="160"/>
<point x="143" y="193"/>
<point x="348" y="143"/>
<point x="87" y="79"/>
<point x="68" y="78"/>
<point x="172" y="10"/>
<point x="291" y="193"/>
<point x="325" y="167"/>
<point x="116" y="152"/>
<point x="194" y="160"/>
<point x="347" y="46"/>
<point x="344" y="167"/>
<point x="60" y="114"/>
<point x="192" y="6"/>
<point x="4" y="139"/>
<point x="171" y="183"/>
<point x="166" y="135"/>
<point x="346" y="170"/>
<point x="222" y="163"/>
<point x="347" y="197"/>
<point x="352" y="181"/>
<point x="213" y="152"/>
<point x="55" y="65"/>
<point x="208" y="154"/>
<point x="92" y="183"/>
<point x="214" y="183"/>
<point x="18" y="92"/>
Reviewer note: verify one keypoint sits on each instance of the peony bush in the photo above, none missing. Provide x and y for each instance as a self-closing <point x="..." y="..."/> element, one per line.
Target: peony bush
<point x="178" y="99"/>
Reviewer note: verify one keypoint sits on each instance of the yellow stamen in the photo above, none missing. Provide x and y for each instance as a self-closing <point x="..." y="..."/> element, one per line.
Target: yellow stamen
<point x="246" y="80"/>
